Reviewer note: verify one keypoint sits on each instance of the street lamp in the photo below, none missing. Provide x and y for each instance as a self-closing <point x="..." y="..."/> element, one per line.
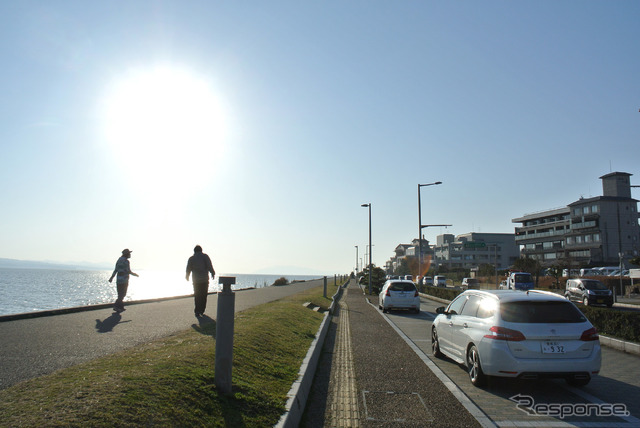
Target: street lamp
<point x="356" y="259"/>
<point x="420" y="224"/>
<point x="370" y="247"/>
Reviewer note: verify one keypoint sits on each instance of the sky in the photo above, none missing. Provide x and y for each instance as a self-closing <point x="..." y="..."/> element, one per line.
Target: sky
<point x="258" y="129"/>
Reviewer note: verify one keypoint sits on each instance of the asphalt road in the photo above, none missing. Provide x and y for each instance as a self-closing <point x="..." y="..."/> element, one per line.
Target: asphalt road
<point x="38" y="346"/>
<point x="617" y="383"/>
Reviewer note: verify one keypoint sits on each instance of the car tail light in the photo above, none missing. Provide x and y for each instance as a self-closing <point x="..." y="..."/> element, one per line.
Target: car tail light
<point x="417" y="294"/>
<point x="501" y="333"/>
<point x="388" y="293"/>
<point x="590" y="335"/>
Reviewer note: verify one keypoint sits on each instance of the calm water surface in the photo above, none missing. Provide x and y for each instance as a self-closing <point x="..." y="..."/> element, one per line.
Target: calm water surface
<point x="28" y="290"/>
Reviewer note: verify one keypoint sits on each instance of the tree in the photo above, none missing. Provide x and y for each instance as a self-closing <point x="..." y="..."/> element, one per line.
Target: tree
<point x="378" y="277"/>
<point x="526" y="264"/>
<point x="403" y="268"/>
<point x="556" y="272"/>
<point x="486" y="270"/>
<point x="635" y="261"/>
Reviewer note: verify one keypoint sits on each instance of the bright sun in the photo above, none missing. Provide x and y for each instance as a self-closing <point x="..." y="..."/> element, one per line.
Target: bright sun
<point x="165" y="126"/>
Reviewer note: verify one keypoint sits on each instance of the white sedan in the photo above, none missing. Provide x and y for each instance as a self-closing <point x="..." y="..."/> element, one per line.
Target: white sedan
<point x="519" y="334"/>
<point x="399" y="294"/>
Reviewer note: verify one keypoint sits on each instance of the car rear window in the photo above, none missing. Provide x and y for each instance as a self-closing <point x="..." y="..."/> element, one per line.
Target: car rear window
<point x="402" y="286"/>
<point x="541" y="312"/>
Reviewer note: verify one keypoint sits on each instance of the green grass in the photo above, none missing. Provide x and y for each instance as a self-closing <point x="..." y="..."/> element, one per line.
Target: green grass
<point x="170" y="382"/>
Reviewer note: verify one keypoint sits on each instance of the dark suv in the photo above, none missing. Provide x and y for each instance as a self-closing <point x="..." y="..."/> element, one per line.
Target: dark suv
<point x="588" y="292"/>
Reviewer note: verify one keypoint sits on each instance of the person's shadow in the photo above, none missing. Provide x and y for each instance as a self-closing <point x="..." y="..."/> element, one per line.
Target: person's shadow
<point x="109" y="323"/>
<point x="206" y="325"/>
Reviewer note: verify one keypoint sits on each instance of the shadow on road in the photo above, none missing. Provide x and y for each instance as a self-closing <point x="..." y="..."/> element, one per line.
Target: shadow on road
<point x="206" y="325"/>
<point x="109" y="323"/>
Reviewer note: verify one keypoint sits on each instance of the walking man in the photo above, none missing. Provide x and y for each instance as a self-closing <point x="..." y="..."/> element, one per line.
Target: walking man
<point x="200" y="265"/>
<point x="123" y="270"/>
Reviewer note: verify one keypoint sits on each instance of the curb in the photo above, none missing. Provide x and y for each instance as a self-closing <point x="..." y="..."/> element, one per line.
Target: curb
<point x="299" y="392"/>
<point x="51" y="312"/>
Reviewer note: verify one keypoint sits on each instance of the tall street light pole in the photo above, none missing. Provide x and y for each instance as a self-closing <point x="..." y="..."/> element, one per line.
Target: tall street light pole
<point x="356" y="259"/>
<point x="370" y="247"/>
<point x="420" y="224"/>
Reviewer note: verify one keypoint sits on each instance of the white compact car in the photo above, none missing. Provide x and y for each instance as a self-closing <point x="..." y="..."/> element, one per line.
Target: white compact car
<point x="523" y="334"/>
<point x="399" y="294"/>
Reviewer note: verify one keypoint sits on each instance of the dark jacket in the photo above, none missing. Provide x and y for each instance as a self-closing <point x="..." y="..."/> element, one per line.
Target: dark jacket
<point x="200" y="265"/>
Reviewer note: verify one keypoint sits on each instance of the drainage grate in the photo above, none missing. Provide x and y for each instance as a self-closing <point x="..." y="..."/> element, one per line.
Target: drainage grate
<point x="389" y="406"/>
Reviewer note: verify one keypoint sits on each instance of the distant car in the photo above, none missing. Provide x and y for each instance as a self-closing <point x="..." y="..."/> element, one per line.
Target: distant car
<point x="399" y="294"/>
<point x="588" y="292"/>
<point x="517" y="334"/>
<point x="408" y="277"/>
<point x="470" y="283"/>
<point x="427" y="280"/>
<point x="439" y="281"/>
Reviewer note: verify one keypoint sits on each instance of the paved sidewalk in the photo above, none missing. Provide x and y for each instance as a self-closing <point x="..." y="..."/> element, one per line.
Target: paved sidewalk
<point x="368" y="376"/>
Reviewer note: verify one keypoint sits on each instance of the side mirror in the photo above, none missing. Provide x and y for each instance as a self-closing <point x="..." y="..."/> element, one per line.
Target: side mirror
<point x="440" y="310"/>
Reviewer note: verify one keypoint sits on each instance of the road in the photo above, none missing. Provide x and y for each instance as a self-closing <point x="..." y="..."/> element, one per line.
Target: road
<point x="618" y="383"/>
<point x="38" y="346"/>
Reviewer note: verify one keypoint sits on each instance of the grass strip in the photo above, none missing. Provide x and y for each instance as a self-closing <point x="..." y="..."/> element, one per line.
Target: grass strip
<point x="170" y="382"/>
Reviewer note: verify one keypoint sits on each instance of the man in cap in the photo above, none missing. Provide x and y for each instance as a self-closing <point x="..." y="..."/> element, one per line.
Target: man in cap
<point x="123" y="270"/>
<point x="200" y="265"/>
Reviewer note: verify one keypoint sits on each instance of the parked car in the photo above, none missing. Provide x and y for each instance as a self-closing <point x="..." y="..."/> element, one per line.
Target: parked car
<point x="439" y="281"/>
<point x="470" y="283"/>
<point x="427" y="280"/>
<point x="588" y="292"/>
<point x="517" y="334"/>
<point x="399" y="294"/>
<point x="408" y="277"/>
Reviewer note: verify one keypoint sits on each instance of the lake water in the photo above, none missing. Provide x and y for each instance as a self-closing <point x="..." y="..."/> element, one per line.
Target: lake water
<point x="28" y="290"/>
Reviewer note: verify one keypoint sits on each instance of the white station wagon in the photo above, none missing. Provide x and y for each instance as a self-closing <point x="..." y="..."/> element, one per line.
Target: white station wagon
<point x="520" y="334"/>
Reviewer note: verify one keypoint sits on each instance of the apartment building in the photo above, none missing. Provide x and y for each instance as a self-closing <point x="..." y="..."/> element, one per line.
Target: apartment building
<point x="588" y="232"/>
<point x="471" y="250"/>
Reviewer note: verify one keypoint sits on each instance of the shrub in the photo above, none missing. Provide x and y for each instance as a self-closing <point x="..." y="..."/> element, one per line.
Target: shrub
<point x="281" y="281"/>
<point x="623" y="325"/>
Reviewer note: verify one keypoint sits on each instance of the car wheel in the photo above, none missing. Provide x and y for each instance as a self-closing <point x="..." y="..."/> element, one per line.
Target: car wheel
<point x="435" y="344"/>
<point x="585" y="301"/>
<point x="578" y="382"/>
<point x="476" y="375"/>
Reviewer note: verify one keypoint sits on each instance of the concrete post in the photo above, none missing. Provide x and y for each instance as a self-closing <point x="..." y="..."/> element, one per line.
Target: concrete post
<point x="325" y="287"/>
<point x="224" y="334"/>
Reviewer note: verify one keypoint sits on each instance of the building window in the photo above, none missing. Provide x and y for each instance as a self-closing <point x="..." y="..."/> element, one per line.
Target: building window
<point x="596" y="237"/>
<point x="569" y="240"/>
<point x="587" y="238"/>
<point x="586" y="210"/>
<point x="578" y="239"/>
<point x="594" y="208"/>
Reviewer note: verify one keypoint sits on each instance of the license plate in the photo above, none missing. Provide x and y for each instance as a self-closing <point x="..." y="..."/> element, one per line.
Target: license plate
<point x="550" y="347"/>
<point x="600" y="301"/>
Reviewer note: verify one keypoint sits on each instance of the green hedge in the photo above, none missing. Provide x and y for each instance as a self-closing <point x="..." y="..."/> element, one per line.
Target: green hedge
<point x="623" y="325"/>
<point x="441" y="292"/>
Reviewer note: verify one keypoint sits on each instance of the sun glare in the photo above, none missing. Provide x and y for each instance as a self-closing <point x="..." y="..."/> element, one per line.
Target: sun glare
<point x="165" y="126"/>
